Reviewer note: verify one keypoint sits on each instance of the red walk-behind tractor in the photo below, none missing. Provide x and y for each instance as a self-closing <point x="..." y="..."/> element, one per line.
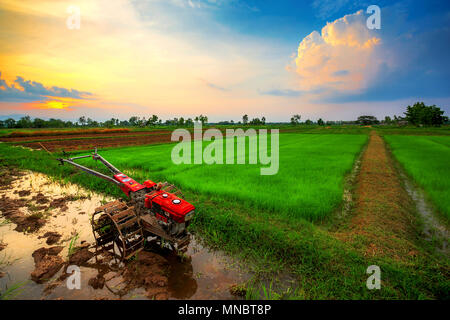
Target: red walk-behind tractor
<point x="156" y="213"/>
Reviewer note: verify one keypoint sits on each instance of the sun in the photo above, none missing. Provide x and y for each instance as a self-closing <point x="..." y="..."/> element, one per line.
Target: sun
<point x="55" y="103"/>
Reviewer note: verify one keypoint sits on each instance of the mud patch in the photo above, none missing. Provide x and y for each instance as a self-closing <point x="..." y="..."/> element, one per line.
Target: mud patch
<point x="148" y="271"/>
<point x="24" y="193"/>
<point x="80" y="256"/>
<point x="47" y="263"/>
<point x="11" y="209"/>
<point x="39" y="198"/>
<point x="59" y="203"/>
<point x="7" y="176"/>
<point x="52" y="237"/>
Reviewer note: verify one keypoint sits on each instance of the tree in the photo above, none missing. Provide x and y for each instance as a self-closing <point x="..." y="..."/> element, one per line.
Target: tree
<point x="81" y="120"/>
<point x="387" y="120"/>
<point x="420" y="114"/>
<point x="189" y="122"/>
<point x="295" y="120"/>
<point x="141" y="122"/>
<point x="133" y="121"/>
<point x="320" y="122"/>
<point x="245" y="119"/>
<point x="10" y="123"/>
<point x="263" y="120"/>
<point x="367" y="120"/>
<point x="24" y="122"/>
<point x="39" y="123"/>
<point x="255" y="122"/>
<point x="153" y="120"/>
<point x="203" y="119"/>
<point x="110" y="123"/>
<point x="308" y="122"/>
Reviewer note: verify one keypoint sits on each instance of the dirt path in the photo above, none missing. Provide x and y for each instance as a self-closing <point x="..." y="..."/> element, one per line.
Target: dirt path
<point x="382" y="222"/>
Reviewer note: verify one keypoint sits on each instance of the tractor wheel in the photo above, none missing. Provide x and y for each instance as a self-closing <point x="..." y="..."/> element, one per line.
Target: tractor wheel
<point x="117" y="229"/>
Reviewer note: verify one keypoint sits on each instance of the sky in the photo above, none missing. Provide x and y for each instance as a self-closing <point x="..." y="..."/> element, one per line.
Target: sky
<point x="222" y="58"/>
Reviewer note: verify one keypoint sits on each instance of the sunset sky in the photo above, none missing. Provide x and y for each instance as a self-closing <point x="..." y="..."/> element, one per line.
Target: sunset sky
<point x="222" y="58"/>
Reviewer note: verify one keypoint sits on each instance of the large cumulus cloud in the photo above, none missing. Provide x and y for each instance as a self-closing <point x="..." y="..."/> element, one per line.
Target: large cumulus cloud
<point x="344" y="57"/>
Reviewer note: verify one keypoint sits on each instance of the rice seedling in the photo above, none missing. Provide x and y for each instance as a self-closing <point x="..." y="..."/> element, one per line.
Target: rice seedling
<point x="72" y="249"/>
<point x="13" y="291"/>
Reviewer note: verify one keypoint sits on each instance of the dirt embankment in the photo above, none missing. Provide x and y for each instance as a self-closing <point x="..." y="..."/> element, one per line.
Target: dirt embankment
<point x="91" y="143"/>
<point x="382" y="218"/>
<point x="80" y="135"/>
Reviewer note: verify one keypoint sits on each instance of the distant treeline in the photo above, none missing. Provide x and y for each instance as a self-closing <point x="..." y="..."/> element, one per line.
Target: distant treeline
<point x="419" y="115"/>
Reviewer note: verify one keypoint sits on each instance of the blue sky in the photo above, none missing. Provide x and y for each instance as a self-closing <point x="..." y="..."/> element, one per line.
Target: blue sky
<point x="220" y="57"/>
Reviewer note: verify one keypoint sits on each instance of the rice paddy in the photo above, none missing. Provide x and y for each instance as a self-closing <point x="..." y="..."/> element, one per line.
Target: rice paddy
<point x="285" y="223"/>
<point x="309" y="183"/>
<point x="426" y="160"/>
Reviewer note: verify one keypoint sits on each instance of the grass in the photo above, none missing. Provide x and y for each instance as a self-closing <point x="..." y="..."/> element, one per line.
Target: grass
<point x="13" y="291"/>
<point x="72" y="248"/>
<point x="308" y="185"/>
<point x="413" y="130"/>
<point x="426" y="160"/>
<point x="4" y="222"/>
<point x="246" y="214"/>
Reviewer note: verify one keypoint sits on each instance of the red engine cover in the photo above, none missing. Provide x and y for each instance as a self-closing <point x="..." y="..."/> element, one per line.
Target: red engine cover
<point x="170" y="203"/>
<point x="128" y="184"/>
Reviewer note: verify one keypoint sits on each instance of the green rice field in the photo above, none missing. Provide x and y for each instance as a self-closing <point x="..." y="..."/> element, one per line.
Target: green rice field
<point x="309" y="183"/>
<point x="427" y="160"/>
<point x="283" y="223"/>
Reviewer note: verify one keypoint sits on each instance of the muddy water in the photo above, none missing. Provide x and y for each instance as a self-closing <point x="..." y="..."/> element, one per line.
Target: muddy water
<point x="432" y="227"/>
<point x="202" y="274"/>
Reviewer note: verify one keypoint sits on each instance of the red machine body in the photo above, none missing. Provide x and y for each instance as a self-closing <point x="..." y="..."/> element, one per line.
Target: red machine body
<point x="161" y="201"/>
<point x="128" y="184"/>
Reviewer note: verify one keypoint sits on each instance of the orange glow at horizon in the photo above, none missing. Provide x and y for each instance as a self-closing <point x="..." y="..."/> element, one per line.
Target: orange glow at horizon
<point x="54" y="103"/>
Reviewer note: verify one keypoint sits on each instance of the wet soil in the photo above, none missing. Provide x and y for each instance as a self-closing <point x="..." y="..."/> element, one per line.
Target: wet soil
<point x="52" y="237"/>
<point x="84" y="144"/>
<point x="47" y="263"/>
<point x="70" y="143"/>
<point x="72" y="136"/>
<point x="41" y="257"/>
<point x="433" y="230"/>
<point x="12" y="210"/>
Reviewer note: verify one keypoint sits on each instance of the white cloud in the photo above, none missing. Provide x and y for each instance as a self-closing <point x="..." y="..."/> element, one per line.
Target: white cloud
<point x="344" y="57"/>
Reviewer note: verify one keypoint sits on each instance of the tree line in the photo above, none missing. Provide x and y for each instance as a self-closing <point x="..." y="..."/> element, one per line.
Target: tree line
<point x="134" y="121"/>
<point x="418" y="114"/>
